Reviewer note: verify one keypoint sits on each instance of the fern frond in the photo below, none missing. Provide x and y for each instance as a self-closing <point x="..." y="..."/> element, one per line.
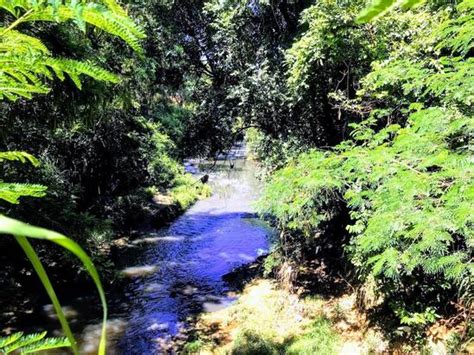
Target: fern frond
<point x="46" y="344"/>
<point x="12" y="192"/>
<point x="5" y="341"/>
<point x="108" y="16"/>
<point x="25" y="62"/>
<point x="24" y="341"/>
<point x="27" y="344"/>
<point x="115" y="7"/>
<point x="74" y="69"/>
<point x="22" y="76"/>
<point x="19" y="156"/>
<point x="16" y="42"/>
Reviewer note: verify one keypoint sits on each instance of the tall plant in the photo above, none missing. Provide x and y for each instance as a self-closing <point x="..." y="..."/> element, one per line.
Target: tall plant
<point x="26" y="67"/>
<point x="406" y="173"/>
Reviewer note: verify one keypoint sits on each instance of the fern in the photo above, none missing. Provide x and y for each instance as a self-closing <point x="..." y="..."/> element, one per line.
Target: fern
<point x="25" y="67"/>
<point x="27" y="344"/>
<point x="12" y="192"/>
<point x="5" y="341"/>
<point x="19" y="156"/>
<point x="26" y="63"/>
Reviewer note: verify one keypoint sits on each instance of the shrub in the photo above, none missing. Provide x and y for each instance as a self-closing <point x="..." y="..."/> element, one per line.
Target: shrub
<point x="405" y="175"/>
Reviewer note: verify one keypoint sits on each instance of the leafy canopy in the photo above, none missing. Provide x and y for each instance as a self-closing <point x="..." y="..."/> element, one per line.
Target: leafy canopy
<point x="406" y="174"/>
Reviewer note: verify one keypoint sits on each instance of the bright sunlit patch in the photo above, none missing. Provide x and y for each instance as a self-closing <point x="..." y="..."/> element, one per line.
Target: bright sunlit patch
<point x="152" y="240"/>
<point x="158" y="326"/>
<point x="246" y="257"/>
<point x="137" y="271"/>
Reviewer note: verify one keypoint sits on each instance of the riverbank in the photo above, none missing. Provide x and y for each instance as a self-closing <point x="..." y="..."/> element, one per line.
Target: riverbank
<point x="267" y="319"/>
<point x="270" y="316"/>
<point x="164" y="207"/>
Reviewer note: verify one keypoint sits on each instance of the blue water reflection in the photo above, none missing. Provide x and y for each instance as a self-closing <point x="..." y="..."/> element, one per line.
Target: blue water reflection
<point x="189" y="259"/>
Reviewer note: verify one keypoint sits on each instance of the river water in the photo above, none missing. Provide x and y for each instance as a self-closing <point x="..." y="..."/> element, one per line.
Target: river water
<point x="179" y="274"/>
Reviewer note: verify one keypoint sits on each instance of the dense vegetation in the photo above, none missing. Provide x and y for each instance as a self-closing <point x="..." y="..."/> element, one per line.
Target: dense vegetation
<point x="401" y="182"/>
<point x="361" y="121"/>
<point x="363" y="130"/>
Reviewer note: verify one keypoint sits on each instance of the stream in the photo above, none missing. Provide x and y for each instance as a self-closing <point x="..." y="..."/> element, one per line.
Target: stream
<point x="180" y="272"/>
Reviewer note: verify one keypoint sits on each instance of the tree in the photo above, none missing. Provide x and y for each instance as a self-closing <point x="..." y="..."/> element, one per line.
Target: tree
<point x="26" y="63"/>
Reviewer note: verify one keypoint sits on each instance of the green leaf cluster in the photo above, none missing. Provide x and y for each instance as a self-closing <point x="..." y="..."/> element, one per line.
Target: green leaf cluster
<point x="26" y="63"/>
<point x="31" y="343"/>
<point x="406" y="175"/>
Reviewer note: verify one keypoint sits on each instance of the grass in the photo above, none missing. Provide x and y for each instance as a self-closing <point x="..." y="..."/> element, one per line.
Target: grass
<point x="319" y="338"/>
<point x="188" y="190"/>
<point x="268" y="320"/>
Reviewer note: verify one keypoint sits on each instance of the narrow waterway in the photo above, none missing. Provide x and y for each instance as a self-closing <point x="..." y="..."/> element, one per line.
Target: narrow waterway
<point x="180" y="271"/>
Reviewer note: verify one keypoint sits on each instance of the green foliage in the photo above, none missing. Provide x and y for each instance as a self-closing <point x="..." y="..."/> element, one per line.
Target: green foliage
<point x="272" y="153"/>
<point x="25" y="60"/>
<point x="193" y="347"/>
<point x="19" y="156"/>
<point x="31" y="343"/>
<point x="379" y="7"/>
<point x="414" y="324"/>
<point x="20" y="230"/>
<point x="322" y="44"/>
<point x="406" y="174"/>
<point x="429" y="316"/>
<point x="188" y="190"/>
<point x="271" y="263"/>
<point x="25" y="65"/>
<point x="11" y="192"/>
<point x="410" y="197"/>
